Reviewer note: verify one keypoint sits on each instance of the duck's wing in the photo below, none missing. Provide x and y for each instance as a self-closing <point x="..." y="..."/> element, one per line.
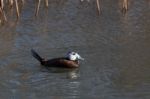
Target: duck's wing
<point x="69" y="63"/>
<point x="61" y="62"/>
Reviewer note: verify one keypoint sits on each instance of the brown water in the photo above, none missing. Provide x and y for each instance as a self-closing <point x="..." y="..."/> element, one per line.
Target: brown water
<point x="115" y="47"/>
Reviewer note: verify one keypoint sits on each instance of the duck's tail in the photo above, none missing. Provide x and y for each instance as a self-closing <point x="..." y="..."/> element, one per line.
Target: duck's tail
<point x="37" y="56"/>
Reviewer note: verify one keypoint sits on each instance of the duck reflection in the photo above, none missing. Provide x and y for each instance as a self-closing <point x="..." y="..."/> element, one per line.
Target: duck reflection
<point x="70" y="73"/>
<point x="74" y="74"/>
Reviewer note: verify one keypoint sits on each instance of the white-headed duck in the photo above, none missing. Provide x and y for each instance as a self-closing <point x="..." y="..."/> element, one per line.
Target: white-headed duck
<point x="70" y="61"/>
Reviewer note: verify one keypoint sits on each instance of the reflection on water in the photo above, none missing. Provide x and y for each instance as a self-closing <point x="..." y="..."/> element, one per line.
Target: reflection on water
<point x="115" y="48"/>
<point x="70" y="73"/>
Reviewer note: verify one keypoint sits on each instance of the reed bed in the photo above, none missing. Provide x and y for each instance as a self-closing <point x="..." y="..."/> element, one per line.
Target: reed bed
<point x="9" y="4"/>
<point x="18" y="4"/>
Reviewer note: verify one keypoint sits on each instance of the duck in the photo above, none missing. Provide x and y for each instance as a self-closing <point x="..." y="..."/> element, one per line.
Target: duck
<point x="71" y="60"/>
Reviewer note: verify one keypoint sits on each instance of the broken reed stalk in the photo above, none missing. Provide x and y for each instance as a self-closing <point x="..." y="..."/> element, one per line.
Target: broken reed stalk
<point x="98" y="6"/>
<point x="125" y="6"/>
<point x="22" y="2"/>
<point x="2" y="4"/>
<point x="46" y="3"/>
<point x="17" y="8"/>
<point x="3" y="14"/>
<point x="38" y="6"/>
<point x="11" y="3"/>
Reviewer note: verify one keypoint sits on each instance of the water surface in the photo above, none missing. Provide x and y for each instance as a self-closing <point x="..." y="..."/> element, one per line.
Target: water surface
<point x="115" y="47"/>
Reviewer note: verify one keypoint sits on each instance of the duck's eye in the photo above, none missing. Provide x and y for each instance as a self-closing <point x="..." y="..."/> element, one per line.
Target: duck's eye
<point x="73" y="53"/>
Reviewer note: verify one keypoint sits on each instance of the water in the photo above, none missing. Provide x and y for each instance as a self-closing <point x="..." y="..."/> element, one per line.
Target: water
<point x="115" y="47"/>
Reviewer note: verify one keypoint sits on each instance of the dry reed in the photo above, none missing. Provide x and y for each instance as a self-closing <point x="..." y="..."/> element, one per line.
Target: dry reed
<point x="125" y="6"/>
<point x="38" y="6"/>
<point x="19" y="3"/>
<point x="98" y="6"/>
<point x="3" y="14"/>
<point x="11" y="3"/>
<point x="17" y="8"/>
<point x="46" y="3"/>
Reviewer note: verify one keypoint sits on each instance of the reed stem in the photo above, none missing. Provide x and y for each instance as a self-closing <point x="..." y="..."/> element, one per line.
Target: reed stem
<point x="2" y="4"/>
<point x="98" y="6"/>
<point x="17" y="8"/>
<point x="11" y="2"/>
<point x="22" y="2"/>
<point x="125" y="6"/>
<point x="38" y="6"/>
<point x="46" y="3"/>
<point x="3" y="14"/>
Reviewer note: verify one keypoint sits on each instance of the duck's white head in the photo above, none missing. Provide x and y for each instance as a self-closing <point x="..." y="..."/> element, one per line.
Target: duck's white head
<point x="74" y="56"/>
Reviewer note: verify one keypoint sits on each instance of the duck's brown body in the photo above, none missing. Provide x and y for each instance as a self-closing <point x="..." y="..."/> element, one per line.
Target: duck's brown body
<point x="60" y="62"/>
<point x="56" y="62"/>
